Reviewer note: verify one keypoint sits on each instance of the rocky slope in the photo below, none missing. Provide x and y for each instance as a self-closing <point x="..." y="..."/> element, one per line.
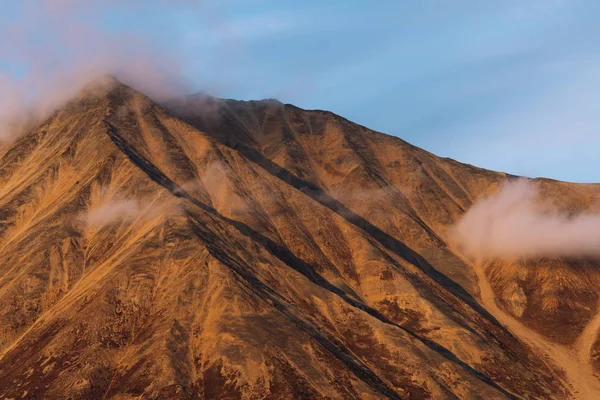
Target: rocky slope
<point x="220" y="249"/>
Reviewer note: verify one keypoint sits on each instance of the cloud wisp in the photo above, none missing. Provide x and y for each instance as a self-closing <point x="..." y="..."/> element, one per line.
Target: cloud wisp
<point x="515" y="223"/>
<point x="53" y="48"/>
<point x="110" y="212"/>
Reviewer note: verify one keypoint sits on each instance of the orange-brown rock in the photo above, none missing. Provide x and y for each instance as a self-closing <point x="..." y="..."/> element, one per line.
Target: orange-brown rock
<point x="220" y="249"/>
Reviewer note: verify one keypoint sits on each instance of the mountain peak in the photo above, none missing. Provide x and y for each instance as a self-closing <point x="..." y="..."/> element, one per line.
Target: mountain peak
<point x="249" y="249"/>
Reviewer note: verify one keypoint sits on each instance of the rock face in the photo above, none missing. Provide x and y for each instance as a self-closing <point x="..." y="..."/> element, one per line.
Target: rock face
<point x="221" y="249"/>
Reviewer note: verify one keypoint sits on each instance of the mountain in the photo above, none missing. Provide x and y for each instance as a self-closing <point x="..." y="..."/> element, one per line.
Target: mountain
<point x="210" y="248"/>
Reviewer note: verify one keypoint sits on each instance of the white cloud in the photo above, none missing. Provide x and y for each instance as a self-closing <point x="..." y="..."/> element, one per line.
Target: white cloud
<point x="63" y="44"/>
<point x="515" y="223"/>
<point x="110" y="212"/>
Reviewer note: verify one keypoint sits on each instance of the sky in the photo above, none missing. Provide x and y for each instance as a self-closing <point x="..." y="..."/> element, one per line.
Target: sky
<point x="506" y="85"/>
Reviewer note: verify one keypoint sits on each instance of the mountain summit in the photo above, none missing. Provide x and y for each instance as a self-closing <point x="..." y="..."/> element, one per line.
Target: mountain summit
<point x="212" y="248"/>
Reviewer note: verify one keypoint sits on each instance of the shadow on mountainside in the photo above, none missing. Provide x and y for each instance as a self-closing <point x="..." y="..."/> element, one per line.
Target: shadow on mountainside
<point x="317" y="194"/>
<point x="236" y="264"/>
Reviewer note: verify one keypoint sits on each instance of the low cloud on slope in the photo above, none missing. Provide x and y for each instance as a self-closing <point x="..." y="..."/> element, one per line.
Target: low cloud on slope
<point x="112" y="211"/>
<point x="515" y="223"/>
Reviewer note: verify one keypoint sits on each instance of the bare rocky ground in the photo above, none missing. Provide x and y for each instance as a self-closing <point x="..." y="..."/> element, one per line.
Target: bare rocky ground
<point x="221" y="249"/>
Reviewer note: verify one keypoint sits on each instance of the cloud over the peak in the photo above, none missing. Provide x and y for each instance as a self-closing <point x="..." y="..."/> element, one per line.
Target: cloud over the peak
<point x="52" y="48"/>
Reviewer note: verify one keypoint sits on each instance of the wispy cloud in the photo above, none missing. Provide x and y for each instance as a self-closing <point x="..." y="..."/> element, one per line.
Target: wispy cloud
<point x="515" y="223"/>
<point x="60" y="45"/>
<point x="110" y="212"/>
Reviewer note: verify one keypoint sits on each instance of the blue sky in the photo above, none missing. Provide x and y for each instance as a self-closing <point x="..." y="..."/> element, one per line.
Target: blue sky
<point x="507" y="85"/>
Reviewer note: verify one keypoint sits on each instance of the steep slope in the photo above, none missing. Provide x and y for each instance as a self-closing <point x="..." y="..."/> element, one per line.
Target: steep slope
<point x="555" y="298"/>
<point x="372" y="174"/>
<point x="255" y="250"/>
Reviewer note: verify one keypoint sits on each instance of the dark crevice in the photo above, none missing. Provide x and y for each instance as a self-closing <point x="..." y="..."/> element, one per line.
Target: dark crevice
<point x="386" y="240"/>
<point x="288" y="258"/>
<point x="266" y="293"/>
<point x="231" y="261"/>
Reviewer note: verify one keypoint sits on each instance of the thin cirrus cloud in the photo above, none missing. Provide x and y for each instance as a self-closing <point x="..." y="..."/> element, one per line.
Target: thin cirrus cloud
<point x="554" y="135"/>
<point x="253" y="27"/>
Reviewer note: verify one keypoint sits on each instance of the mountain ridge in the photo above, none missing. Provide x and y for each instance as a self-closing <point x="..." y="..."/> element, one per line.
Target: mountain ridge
<point x="255" y="262"/>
